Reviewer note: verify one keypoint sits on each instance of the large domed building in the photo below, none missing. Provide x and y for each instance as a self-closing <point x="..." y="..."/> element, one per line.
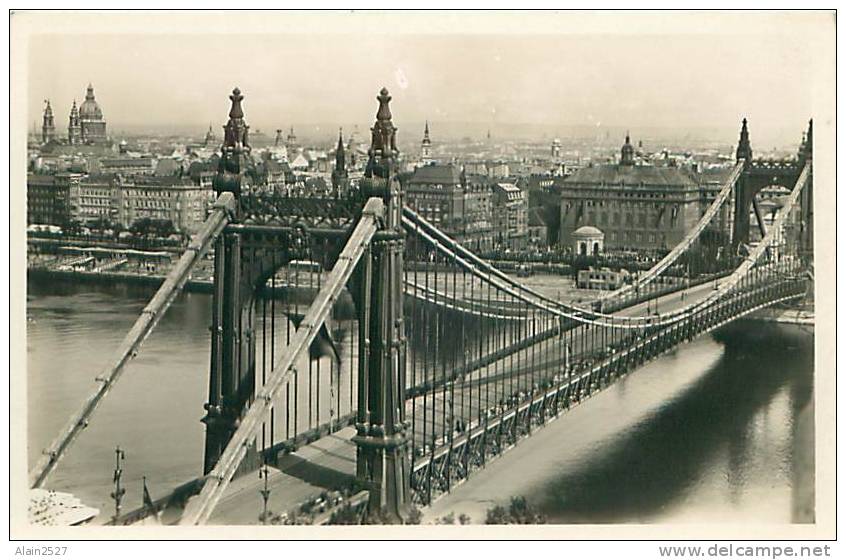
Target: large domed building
<point x="86" y="124"/>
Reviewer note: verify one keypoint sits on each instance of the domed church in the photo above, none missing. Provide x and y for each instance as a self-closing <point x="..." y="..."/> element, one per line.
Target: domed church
<point x="86" y="124"/>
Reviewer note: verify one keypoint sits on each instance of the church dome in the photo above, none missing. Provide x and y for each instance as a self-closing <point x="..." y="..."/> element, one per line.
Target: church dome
<point x="588" y="232"/>
<point x="89" y="109"/>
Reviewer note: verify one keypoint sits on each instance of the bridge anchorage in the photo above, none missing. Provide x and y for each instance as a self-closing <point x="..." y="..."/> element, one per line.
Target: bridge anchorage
<point x="349" y="313"/>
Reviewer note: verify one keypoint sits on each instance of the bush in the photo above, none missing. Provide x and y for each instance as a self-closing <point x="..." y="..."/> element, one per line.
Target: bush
<point x="519" y="512"/>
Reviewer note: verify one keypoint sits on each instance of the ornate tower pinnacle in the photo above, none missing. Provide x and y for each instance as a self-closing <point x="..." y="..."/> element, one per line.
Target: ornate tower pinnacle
<point x="744" y="148"/>
<point x="235" y="152"/>
<point x="383" y="148"/>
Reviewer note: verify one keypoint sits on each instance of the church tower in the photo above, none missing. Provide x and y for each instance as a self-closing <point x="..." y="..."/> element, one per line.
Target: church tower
<point x="209" y="139"/>
<point x="74" y="127"/>
<point x="556" y="149"/>
<point x="426" y="147"/>
<point x="627" y="152"/>
<point x="48" y="128"/>
<point x="291" y="142"/>
<point x="339" y="174"/>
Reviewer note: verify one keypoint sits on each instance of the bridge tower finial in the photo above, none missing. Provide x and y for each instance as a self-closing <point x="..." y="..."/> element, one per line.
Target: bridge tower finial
<point x="744" y="148"/>
<point x="383" y="147"/>
<point x="234" y="160"/>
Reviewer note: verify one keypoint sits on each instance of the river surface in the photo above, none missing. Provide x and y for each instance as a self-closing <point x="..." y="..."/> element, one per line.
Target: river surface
<point x="719" y="430"/>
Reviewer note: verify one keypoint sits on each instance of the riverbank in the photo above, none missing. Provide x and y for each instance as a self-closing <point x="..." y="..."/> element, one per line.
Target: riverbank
<point x="105" y="278"/>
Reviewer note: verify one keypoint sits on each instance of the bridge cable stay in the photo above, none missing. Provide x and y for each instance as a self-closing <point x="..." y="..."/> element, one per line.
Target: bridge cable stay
<point x="222" y="212"/>
<point x="583" y="316"/>
<point x="411" y="217"/>
<point x="200" y="507"/>
<point x="481" y="268"/>
<point x="728" y="283"/>
<point x="465" y="410"/>
<point x="685" y="243"/>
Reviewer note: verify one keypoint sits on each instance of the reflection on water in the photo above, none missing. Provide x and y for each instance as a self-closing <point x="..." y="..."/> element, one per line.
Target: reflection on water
<point x="726" y="442"/>
<point x="721" y="429"/>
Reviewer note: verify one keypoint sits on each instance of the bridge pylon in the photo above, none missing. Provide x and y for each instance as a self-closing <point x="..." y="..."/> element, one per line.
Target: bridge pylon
<point x="760" y="173"/>
<point x="382" y="447"/>
<point x="233" y="346"/>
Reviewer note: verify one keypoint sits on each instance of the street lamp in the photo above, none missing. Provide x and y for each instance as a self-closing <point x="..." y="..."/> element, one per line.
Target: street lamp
<point x="119" y="491"/>
<point x="264" y="473"/>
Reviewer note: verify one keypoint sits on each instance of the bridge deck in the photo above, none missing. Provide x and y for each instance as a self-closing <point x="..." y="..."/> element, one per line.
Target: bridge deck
<point x="329" y="463"/>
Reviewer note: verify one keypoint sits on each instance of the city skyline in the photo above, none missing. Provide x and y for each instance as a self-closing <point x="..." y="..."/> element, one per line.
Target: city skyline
<point x="549" y="83"/>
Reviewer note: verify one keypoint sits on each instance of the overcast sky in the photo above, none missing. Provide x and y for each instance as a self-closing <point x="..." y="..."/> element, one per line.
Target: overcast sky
<point x="632" y="81"/>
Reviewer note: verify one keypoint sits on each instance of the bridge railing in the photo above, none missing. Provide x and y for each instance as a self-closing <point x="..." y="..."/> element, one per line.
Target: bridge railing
<point x="480" y="384"/>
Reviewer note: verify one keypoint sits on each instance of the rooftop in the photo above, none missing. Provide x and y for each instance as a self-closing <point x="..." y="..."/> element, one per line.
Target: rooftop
<point x="447" y="174"/>
<point x="632" y="175"/>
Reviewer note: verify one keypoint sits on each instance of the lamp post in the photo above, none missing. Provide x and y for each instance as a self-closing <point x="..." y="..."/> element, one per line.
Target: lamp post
<point x="264" y="473"/>
<point x="119" y="491"/>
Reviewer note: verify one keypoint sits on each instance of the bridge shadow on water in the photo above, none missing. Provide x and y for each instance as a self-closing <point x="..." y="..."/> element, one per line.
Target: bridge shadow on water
<point x="658" y="461"/>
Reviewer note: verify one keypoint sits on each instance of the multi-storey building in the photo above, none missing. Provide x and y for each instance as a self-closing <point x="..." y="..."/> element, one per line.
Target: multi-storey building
<point x="47" y="200"/>
<point x="93" y="198"/>
<point x="510" y="216"/>
<point x="443" y="195"/>
<point x="635" y="206"/>
<point x="128" y="165"/>
<point x="179" y="200"/>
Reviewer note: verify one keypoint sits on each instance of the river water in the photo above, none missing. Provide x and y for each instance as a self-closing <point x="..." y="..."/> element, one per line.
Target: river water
<point x="720" y="429"/>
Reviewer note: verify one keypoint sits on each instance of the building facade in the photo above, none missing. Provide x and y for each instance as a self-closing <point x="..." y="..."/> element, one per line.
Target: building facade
<point x="47" y="200"/>
<point x="510" y="207"/>
<point x="179" y="200"/>
<point x="127" y="165"/>
<point x="461" y="208"/>
<point x="94" y="199"/>
<point x="638" y="207"/>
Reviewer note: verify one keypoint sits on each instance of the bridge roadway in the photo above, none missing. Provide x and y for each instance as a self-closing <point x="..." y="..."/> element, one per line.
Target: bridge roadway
<point x="329" y="463"/>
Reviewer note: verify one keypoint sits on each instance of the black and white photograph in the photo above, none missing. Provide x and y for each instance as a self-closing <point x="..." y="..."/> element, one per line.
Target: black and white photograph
<point x="422" y="274"/>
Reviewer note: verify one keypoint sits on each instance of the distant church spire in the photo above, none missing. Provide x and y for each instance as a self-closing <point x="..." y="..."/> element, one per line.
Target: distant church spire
<point x="48" y="127"/>
<point x="74" y="126"/>
<point x="744" y="148"/>
<point x="627" y="152"/>
<point x="426" y="146"/>
<point x="339" y="174"/>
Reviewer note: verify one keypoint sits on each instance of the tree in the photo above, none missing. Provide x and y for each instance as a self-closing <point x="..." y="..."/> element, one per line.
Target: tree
<point x="519" y="512"/>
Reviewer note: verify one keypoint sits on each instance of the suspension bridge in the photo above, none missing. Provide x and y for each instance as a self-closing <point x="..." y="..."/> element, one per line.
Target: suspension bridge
<point x="407" y="346"/>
